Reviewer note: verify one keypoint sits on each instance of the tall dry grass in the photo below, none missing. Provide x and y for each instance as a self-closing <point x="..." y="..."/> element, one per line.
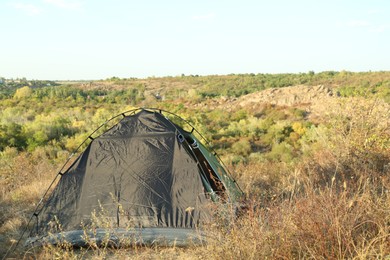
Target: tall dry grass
<point x="321" y="223"/>
<point x="24" y="178"/>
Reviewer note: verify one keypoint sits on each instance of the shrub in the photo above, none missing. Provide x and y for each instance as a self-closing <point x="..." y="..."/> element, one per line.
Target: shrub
<point x="242" y="147"/>
<point x="23" y="92"/>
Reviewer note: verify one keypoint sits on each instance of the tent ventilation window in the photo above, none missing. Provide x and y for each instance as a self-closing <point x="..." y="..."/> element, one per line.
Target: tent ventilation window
<point x="192" y="142"/>
<point x="195" y="145"/>
<point x="180" y="137"/>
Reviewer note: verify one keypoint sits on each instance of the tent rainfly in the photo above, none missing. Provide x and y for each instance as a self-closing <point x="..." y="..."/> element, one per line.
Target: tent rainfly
<point x="145" y="180"/>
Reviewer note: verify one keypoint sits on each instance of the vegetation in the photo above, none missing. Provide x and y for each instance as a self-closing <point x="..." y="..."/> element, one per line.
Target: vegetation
<point x="317" y="185"/>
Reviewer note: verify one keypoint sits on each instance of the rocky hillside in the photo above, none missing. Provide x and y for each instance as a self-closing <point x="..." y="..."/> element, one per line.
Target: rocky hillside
<point x="313" y="99"/>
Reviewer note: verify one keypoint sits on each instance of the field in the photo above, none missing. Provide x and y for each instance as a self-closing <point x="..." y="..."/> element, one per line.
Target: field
<point x="311" y="151"/>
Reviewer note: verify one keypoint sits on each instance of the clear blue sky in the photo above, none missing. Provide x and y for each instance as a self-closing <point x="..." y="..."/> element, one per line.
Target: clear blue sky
<point x="97" y="39"/>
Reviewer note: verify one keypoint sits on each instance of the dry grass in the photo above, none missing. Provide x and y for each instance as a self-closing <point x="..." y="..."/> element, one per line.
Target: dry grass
<point x="329" y="222"/>
<point x="321" y="225"/>
<point x="24" y="179"/>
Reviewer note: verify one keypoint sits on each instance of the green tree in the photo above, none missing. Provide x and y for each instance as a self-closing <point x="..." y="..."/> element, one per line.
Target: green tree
<point x="12" y="135"/>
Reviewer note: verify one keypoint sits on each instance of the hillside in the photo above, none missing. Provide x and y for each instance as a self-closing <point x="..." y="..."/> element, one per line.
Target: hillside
<point x="311" y="151"/>
<point x="313" y="99"/>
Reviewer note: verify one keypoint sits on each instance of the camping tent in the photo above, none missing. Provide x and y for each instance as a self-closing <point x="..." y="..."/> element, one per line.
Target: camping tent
<point x="145" y="178"/>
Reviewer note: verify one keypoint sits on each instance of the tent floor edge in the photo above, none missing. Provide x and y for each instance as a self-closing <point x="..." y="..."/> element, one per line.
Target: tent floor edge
<point x="120" y="237"/>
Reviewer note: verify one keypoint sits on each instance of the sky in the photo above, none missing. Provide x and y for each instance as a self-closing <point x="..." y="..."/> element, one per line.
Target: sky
<point x="99" y="39"/>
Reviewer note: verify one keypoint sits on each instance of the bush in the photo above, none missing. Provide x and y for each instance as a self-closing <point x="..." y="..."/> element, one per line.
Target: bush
<point x="23" y="92"/>
<point x="242" y="147"/>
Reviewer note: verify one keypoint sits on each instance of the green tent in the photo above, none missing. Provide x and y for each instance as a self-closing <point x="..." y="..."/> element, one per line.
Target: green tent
<point x="145" y="179"/>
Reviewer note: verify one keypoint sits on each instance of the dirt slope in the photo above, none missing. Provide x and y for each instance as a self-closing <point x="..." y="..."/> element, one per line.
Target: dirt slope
<point x="313" y="99"/>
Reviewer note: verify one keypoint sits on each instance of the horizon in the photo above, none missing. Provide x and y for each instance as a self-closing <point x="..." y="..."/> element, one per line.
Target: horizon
<point x="191" y="75"/>
<point x="94" y="40"/>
